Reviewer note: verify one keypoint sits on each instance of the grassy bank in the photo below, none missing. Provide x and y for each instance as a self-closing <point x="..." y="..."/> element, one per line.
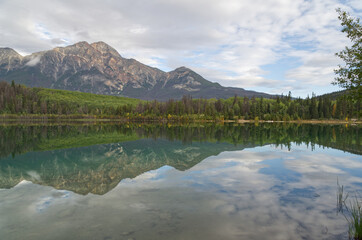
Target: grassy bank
<point x="84" y="99"/>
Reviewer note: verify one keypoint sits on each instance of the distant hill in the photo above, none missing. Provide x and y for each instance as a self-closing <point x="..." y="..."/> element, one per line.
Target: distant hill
<point x="99" y="68"/>
<point x="335" y="95"/>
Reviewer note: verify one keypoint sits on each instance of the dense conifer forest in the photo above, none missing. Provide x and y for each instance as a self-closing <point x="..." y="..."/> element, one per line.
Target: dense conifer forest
<point x="19" y="139"/>
<point x="21" y="100"/>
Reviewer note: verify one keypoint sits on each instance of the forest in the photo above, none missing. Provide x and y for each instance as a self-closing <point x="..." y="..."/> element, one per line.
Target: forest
<point x="20" y="100"/>
<point x="19" y="139"/>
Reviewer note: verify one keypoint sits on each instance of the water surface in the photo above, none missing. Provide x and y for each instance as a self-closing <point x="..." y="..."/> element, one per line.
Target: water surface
<point x="176" y="182"/>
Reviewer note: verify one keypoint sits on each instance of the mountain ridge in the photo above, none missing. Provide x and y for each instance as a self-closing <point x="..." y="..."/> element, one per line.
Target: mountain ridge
<point x="99" y="68"/>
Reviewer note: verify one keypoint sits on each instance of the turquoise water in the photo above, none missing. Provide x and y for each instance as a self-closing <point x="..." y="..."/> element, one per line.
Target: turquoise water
<point x="178" y="182"/>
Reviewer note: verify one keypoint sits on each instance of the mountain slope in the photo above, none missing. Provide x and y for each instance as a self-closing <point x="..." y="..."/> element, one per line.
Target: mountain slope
<point x="99" y="68"/>
<point x="335" y="95"/>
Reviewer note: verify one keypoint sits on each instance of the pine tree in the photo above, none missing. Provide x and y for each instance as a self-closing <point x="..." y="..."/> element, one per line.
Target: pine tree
<point x="350" y="75"/>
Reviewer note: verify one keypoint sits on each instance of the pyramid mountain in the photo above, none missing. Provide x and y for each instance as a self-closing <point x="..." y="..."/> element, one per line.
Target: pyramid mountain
<point x="99" y="68"/>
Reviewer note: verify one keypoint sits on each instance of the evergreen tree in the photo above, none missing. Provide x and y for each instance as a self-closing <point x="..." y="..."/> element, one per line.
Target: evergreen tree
<point x="350" y="75"/>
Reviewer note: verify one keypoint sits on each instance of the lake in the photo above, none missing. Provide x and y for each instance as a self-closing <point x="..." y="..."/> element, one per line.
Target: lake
<point x="111" y="181"/>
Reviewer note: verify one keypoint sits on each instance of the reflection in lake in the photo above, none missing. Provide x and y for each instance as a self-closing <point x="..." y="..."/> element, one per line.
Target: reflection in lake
<point x="161" y="182"/>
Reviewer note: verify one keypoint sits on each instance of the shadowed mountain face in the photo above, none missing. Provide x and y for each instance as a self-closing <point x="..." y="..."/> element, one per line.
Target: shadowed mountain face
<point x="99" y="68"/>
<point x="94" y="159"/>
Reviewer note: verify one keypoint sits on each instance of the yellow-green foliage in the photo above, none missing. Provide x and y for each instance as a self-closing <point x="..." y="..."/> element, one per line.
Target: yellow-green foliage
<point x="89" y="99"/>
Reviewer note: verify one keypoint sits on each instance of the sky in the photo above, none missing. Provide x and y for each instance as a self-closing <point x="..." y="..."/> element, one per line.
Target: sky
<point x="273" y="46"/>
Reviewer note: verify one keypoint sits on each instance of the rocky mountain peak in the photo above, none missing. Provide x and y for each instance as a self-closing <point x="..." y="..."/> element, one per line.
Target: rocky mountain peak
<point x="83" y="44"/>
<point x="9" y="58"/>
<point x="99" y="68"/>
<point x="104" y="48"/>
<point x="6" y="53"/>
<point x="81" y="51"/>
<point x="182" y="69"/>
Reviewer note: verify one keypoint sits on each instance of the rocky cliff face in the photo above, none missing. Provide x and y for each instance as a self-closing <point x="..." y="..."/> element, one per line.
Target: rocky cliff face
<point x="99" y="68"/>
<point x="9" y="59"/>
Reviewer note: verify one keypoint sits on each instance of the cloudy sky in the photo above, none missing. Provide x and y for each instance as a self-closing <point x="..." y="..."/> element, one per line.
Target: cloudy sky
<point x="273" y="46"/>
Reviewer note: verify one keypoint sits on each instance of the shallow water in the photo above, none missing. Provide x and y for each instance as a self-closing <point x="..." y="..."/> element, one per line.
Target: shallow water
<point x="176" y="182"/>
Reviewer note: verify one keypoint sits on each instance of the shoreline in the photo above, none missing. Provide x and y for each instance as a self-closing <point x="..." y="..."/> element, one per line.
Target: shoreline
<point x="311" y="121"/>
<point x="21" y="119"/>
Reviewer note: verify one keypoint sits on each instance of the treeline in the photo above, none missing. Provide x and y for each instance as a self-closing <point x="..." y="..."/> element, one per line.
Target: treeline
<point x="282" y="108"/>
<point x="17" y="99"/>
<point x="19" y="139"/>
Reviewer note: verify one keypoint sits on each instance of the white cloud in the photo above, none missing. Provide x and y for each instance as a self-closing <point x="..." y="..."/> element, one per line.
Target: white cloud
<point x="355" y="4"/>
<point x="33" y="61"/>
<point x="233" y="38"/>
<point x="226" y="196"/>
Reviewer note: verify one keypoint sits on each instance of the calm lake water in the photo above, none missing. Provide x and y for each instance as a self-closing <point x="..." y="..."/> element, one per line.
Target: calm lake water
<point x="176" y="182"/>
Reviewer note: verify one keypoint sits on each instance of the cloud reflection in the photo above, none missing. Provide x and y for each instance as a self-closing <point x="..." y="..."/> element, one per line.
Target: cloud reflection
<point x="224" y="197"/>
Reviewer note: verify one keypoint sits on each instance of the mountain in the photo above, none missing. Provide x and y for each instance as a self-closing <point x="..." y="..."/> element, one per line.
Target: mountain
<point x="99" y="68"/>
<point x="335" y="95"/>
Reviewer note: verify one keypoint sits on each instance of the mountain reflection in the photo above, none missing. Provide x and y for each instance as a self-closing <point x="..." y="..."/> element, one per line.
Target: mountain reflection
<point x="95" y="158"/>
<point x="229" y="196"/>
